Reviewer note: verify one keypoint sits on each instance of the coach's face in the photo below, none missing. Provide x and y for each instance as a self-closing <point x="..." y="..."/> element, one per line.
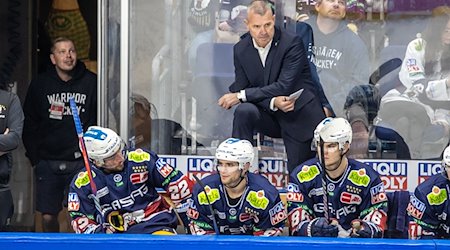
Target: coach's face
<point x="261" y="27"/>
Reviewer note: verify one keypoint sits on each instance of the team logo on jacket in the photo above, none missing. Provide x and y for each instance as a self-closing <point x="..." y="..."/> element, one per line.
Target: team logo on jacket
<point x="349" y="198"/>
<point x="359" y="177"/>
<point x="73" y="202"/>
<point x="163" y="168"/>
<point x="139" y="175"/>
<point x="257" y="199"/>
<point x="212" y="195"/>
<point x="83" y="179"/>
<point x="138" y="156"/>
<point x="308" y="173"/>
<point x="415" y="208"/>
<point x="277" y="214"/>
<point x="437" y="196"/>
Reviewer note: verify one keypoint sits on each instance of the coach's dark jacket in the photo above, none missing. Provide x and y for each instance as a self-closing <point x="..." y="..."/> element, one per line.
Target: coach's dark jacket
<point x="286" y="71"/>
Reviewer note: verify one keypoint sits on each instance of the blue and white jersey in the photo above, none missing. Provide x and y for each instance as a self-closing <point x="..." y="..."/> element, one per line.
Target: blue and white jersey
<point x="358" y="194"/>
<point x="429" y="209"/>
<point x="130" y="193"/>
<point x="259" y="211"/>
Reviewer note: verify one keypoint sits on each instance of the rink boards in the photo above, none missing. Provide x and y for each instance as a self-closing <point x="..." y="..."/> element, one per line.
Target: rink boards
<point x="396" y="174"/>
<point x="28" y="241"/>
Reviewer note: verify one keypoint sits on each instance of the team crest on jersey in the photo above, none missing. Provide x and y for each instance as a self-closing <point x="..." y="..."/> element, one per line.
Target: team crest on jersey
<point x="415" y="208"/>
<point x="139" y="175"/>
<point x="138" y="156"/>
<point x="277" y="214"/>
<point x="437" y="196"/>
<point x="257" y="199"/>
<point x="212" y="193"/>
<point x="349" y="198"/>
<point x="83" y="179"/>
<point x="163" y="168"/>
<point x="73" y="202"/>
<point x="308" y="173"/>
<point x="249" y="214"/>
<point x="359" y="177"/>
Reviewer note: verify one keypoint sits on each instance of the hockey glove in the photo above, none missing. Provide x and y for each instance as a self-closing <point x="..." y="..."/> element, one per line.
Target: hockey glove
<point x="320" y="227"/>
<point x="362" y="229"/>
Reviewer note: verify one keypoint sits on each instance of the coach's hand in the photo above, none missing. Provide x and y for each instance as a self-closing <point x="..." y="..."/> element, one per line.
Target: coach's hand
<point x="227" y="101"/>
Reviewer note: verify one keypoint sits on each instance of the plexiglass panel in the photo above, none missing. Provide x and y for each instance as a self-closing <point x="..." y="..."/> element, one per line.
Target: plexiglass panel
<point x="181" y="62"/>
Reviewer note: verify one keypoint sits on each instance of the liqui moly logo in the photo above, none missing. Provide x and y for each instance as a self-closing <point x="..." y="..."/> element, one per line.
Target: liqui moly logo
<point x="200" y="167"/>
<point x="274" y="170"/>
<point x="393" y="174"/>
<point x="172" y="161"/>
<point x="428" y="169"/>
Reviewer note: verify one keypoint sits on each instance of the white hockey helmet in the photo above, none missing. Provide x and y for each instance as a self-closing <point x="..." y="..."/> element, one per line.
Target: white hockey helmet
<point x="333" y="130"/>
<point x="101" y="143"/>
<point x="235" y="150"/>
<point x="446" y="157"/>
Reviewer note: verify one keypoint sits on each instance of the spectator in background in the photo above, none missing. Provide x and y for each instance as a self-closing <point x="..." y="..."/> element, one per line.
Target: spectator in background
<point x="332" y="195"/>
<point x="11" y="124"/>
<point x="342" y="62"/>
<point x="49" y="135"/>
<point x="341" y="57"/>
<point x="424" y="123"/>
<point x="426" y="69"/>
<point x="270" y="65"/>
<point x="226" y="28"/>
<point x="246" y="203"/>
<point x="428" y="206"/>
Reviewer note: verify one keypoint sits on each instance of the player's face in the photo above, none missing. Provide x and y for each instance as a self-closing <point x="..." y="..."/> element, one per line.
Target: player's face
<point x="229" y="172"/>
<point x="64" y="57"/>
<point x="261" y="28"/>
<point x="446" y="34"/>
<point x="332" y="155"/>
<point x="114" y="163"/>
<point x="333" y="9"/>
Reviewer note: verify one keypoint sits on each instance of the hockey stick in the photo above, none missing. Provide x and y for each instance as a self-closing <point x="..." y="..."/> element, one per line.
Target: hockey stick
<point x="324" y="181"/>
<point x="79" y="129"/>
<point x="211" y="210"/>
